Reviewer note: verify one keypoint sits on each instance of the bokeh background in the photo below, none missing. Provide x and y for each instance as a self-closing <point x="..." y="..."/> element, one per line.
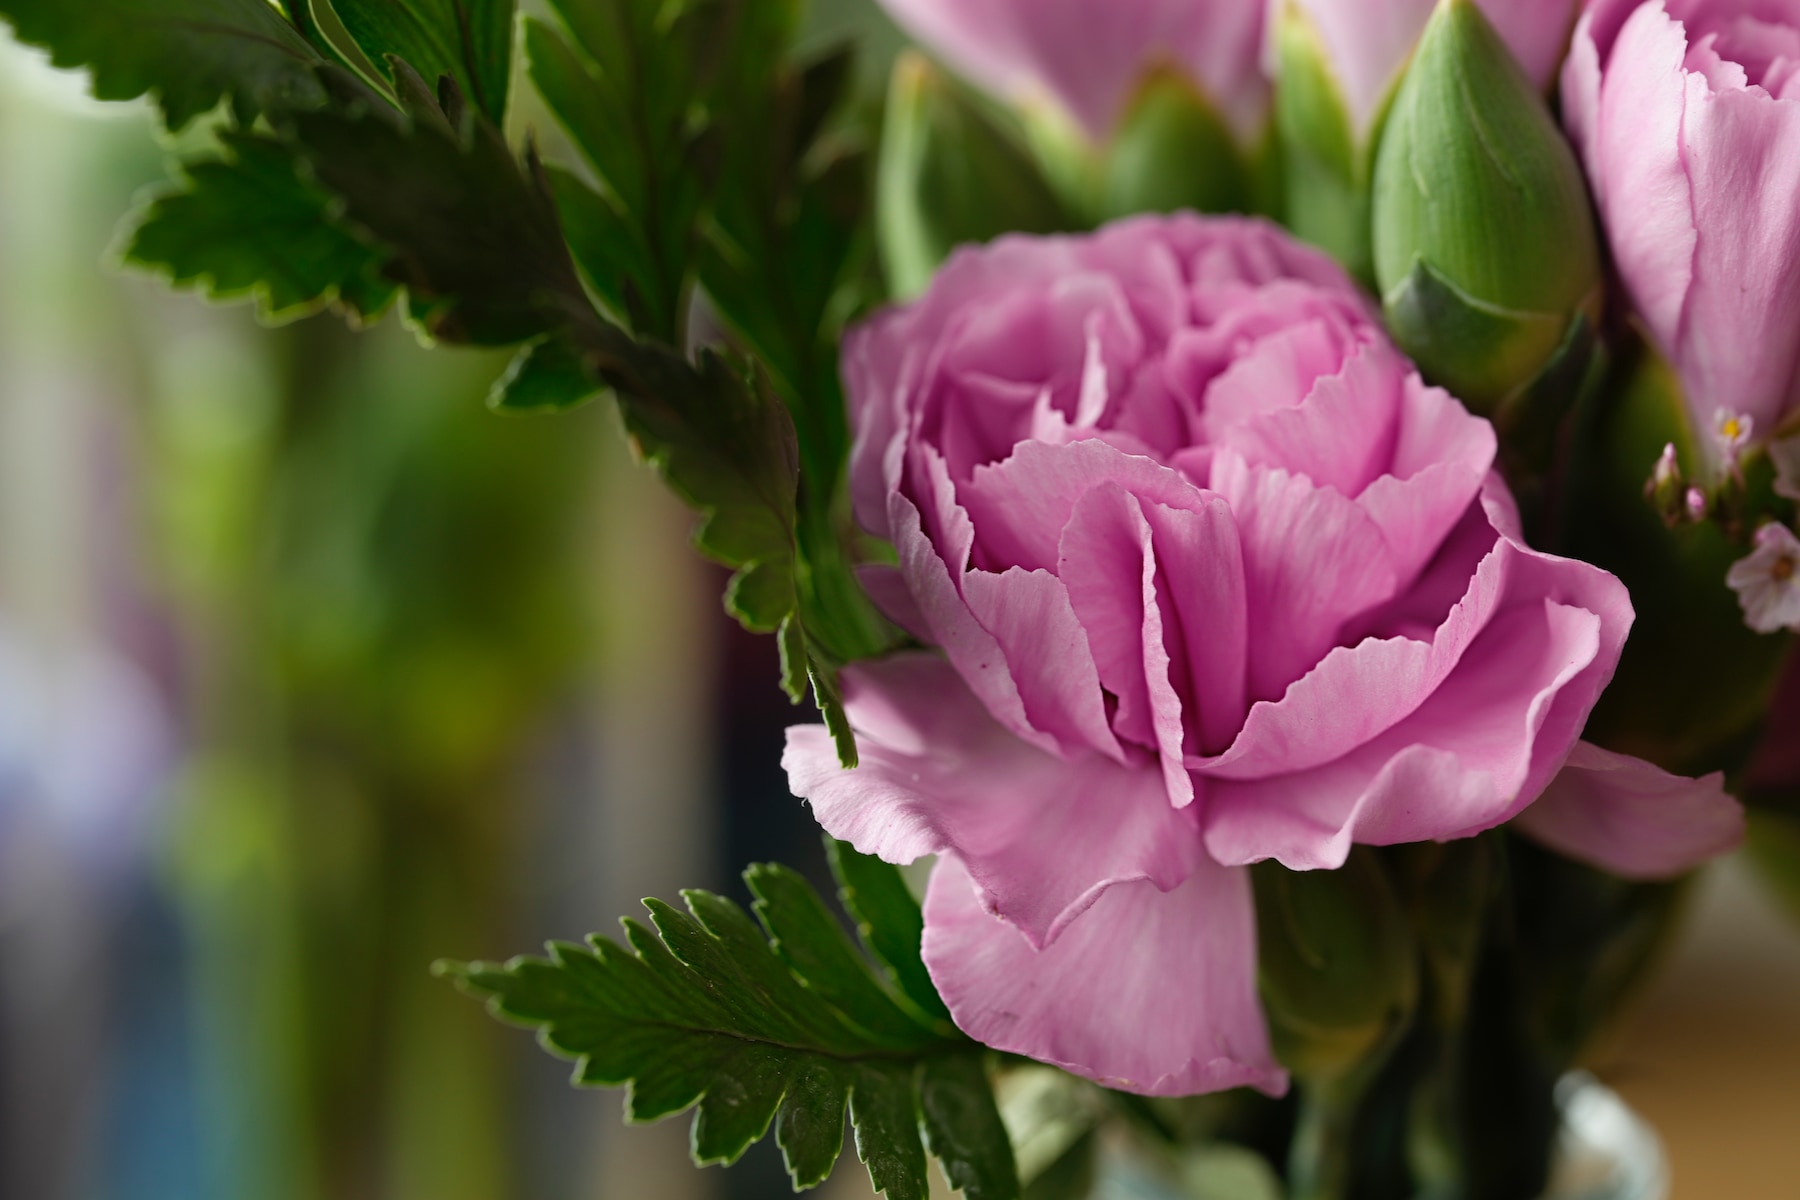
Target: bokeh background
<point x="312" y="671"/>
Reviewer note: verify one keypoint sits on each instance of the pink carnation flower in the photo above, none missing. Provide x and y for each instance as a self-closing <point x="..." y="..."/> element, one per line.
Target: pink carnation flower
<point x="1687" y="115"/>
<point x="1216" y="579"/>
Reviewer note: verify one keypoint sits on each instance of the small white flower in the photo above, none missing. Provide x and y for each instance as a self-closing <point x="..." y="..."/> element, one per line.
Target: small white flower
<point x="1785" y="454"/>
<point x="1768" y="581"/>
<point x="1731" y="433"/>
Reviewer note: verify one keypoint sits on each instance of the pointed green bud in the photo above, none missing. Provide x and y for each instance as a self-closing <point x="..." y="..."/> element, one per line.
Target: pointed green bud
<point x="1336" y="964"/>
<point x="950" y="173"/>
<point x="1483" y="237"/>
<point x="1326" y="161"/>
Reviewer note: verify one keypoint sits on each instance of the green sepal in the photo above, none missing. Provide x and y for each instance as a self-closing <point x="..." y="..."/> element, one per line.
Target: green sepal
<point x="250" y="225"/>
<point x="782" y="1025"/>
<point x="950" y="173"/>
<point x="1336" y="962"/>
<point x="187" y="54"/>
<point x="1172" y="150"/>
<point x="1483" y="236"/>
<point x="1326" y="161"/>
<point x="1484" y="355"/>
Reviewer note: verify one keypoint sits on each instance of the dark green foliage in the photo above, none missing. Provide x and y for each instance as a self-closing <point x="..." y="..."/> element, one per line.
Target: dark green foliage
<point x="888" y="920"/>
<point x="700" y="1010"/>
<point x="471" y="231"/>
<point x="546" y="375"/>
<point x="250" y="225"/>
<point x="712" y="166"/>
<point x="468" y="40"/>
<point x="187" y="53"/>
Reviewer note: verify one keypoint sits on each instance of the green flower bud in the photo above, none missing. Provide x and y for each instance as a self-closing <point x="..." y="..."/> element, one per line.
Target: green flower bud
<point x="1484" y="242"/>
<point x="1336" y="964"/>
<point x="949" y="173"/>
<point x="1326" y="161"/>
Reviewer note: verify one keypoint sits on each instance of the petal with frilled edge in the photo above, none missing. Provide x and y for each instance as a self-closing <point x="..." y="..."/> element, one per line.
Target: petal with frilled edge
<point x="1484" y="745"/>
<point x="1109" y="566"/>
<point x="1631" y="818"/>
<point x="1147" y="991"/>
<point x="1312" y="561"/>
<point x="1029" y="615"/>
<point x="1042" y="836"/>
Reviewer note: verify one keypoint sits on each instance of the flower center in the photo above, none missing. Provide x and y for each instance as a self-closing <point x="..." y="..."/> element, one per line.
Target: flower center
<point x="1732" y="428"/>
<point x="1782" y="569"/>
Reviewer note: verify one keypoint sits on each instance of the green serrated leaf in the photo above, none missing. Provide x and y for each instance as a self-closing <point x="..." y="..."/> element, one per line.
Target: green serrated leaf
<point x="471" y="231"/>
<point x="830" y="699"/>
<point x="884" y="1109"/>
<point x="188" y="54"/>
<point x="702" y="1010"/>
<point x="608" y="248"/>
<point x="249" y="225"/>
<point x="888" y="920"/>
<point x="547" y="375"/>
<point x="468" y="40"/>
<point x="963" y="1128"/>
<point x="810" y="941"/>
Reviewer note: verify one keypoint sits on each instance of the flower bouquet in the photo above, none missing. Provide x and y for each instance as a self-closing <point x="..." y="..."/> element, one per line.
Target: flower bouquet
<point x="1287" y="510"/>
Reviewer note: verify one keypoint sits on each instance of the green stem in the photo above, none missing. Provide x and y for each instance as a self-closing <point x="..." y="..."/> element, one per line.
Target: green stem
<point x="1322" y="1160"/>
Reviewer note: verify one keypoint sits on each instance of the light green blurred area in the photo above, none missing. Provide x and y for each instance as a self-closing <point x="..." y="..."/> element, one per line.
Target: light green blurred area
<point x="436" y="684"/>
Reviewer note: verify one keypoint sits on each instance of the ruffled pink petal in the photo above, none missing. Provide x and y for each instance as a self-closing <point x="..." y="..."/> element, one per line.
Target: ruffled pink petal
<point x="1021" y="505"/>
<point x="1149" y="991"/>
<point x="1203" y="591"/>
<point x="1443" y="455"/>
<point x="1359" y="692"/>
<point x="970" y="648"/>
<point x="1312" y="560"/>
<point x="1271" y="376"/>
<point x="1482" y="746"/>
<point x="1109" y="565"/>
<point x="1580" y="96"/>
<point x="1047" y="653"/>
<point x="1633" y="141"/>
<point x="1042" y="836"/>
<point x="1626" y="816"/>
<point x="1738" y="343"/>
